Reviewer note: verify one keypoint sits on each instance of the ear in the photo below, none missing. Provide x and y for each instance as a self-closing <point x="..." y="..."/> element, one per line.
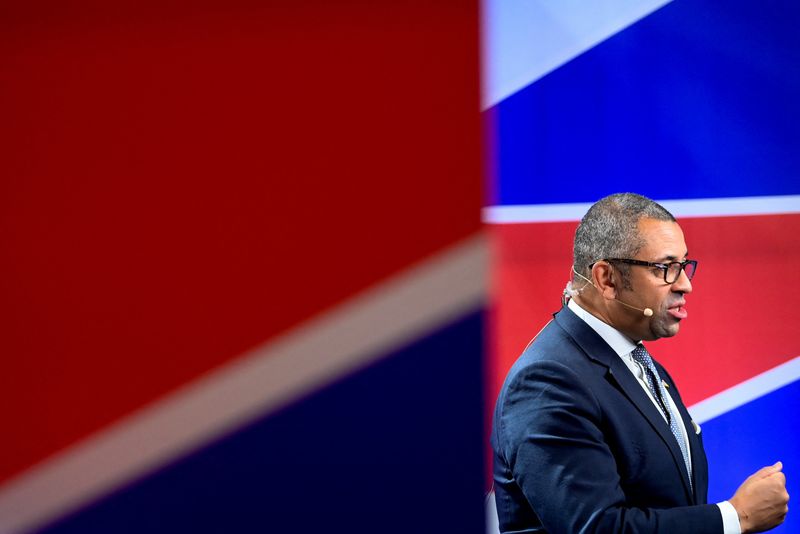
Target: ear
<point x="604" y="279"/>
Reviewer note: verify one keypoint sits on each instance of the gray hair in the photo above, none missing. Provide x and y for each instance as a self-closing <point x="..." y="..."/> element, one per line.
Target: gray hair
<point x="609" y="230"/>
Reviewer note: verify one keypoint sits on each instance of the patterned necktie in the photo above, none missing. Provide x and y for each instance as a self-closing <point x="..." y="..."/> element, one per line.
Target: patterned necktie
<point x="656" y="386"/>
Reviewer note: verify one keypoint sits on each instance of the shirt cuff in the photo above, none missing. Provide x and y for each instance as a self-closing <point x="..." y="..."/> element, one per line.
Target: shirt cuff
<point x="730" y="518"/>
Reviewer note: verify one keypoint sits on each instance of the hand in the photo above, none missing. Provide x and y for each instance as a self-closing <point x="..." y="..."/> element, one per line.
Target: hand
<point x="761" y="500"/>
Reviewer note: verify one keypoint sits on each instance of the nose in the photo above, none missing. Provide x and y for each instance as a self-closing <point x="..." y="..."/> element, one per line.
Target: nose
<point x="682" y="284"/>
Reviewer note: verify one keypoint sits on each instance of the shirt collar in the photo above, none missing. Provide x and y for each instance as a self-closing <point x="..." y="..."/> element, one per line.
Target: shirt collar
<point x="619" y="342"/>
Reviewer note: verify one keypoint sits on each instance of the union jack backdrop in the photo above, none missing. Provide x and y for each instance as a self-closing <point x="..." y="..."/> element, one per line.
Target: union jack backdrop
<point x="694" y="104"/>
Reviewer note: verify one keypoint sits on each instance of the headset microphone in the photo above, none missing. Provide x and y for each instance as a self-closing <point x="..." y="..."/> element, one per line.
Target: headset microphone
<point x="647" y="312"/>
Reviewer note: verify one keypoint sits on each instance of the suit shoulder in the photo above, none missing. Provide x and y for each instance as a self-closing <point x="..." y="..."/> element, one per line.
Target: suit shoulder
<point x="552" y="344"/>
<point x="552" y="359"/>
<point x="553" y="375"/>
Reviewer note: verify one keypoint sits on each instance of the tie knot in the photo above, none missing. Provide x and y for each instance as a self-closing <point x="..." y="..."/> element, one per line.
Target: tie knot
<point x="641" y="355"/>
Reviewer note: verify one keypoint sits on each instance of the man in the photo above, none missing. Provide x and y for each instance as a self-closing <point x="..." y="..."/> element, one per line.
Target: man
<point x="590" y="434"/>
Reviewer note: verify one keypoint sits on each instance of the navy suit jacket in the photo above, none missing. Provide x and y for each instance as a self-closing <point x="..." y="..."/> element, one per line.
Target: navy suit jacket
<point x="580" y="447"/>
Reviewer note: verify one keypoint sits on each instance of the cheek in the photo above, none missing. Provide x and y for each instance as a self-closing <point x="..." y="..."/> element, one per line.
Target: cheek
<point x="661" y="298"/>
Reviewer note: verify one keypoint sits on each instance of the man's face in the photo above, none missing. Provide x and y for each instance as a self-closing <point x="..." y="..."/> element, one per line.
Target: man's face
<point x="663" y="243"/>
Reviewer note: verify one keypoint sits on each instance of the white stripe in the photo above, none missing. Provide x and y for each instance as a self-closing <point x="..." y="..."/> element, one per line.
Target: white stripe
<point x="747" y="391"/>
<point x="318" y="352"/>
<point x="535" y="213"/>
<point x="733" y="207"/>
<point x="695" y="207"/>
<point x="523" y="40"/>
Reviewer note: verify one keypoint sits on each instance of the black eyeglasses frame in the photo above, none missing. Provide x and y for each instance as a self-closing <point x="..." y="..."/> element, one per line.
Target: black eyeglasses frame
<point x="665" y="267"/>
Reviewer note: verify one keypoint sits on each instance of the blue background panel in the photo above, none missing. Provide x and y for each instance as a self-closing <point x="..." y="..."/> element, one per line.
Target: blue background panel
<point x="393" y="449"/>
<point x="744" y="440"/>
<point x="697" y="100"/>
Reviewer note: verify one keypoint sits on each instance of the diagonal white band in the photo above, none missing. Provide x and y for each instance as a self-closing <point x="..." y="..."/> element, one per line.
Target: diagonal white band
<point x="362" y="330"/>
<point x="747" y="391"/>
<point x="523" y="40"/>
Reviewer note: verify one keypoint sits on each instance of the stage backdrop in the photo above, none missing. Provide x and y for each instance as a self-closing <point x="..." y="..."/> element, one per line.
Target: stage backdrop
<point x="242" y="267"/>
<point x="693" y="103"/>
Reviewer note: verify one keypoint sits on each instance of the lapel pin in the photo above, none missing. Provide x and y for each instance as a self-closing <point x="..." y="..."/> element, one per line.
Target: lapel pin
<point x="665" y="384"/>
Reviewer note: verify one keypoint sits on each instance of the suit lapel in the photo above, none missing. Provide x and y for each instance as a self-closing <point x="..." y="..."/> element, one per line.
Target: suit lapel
<point x="635" y="393"/>
<point x="618" y="374"/>
<point x="695" y="444"/>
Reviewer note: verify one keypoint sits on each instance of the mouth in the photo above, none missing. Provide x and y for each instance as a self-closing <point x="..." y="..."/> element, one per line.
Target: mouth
<point x="678" y="311"/>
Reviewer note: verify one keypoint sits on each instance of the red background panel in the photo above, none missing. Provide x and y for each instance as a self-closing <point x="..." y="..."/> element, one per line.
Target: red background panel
<point x="185" y="180"/>
<point x="743" y="317"/>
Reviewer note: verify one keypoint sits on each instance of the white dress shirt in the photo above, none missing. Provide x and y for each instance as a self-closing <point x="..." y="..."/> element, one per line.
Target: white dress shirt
<point x="623" y="346"/>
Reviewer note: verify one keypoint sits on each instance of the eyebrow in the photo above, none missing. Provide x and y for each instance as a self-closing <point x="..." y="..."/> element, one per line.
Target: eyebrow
<point x="674" y="258"/>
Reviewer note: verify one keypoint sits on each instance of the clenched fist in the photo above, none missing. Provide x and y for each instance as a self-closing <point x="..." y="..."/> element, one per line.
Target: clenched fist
<point x="761" y="500"/>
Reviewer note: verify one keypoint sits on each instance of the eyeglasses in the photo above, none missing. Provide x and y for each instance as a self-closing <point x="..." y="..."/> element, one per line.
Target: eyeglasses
<point x="672" y="270"/>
